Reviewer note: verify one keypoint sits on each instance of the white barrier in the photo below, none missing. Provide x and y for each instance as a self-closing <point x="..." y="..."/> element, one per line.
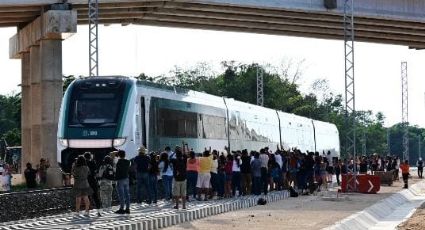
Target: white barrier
<point x="387" y="213"/>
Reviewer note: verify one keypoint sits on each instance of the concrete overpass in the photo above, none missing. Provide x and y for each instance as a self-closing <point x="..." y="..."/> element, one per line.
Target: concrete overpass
<point x="400" y="22"/>
<point x="43" y="24"/>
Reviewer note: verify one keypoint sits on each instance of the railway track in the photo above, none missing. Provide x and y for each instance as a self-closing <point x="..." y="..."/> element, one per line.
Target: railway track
<point x="35" y="203"/>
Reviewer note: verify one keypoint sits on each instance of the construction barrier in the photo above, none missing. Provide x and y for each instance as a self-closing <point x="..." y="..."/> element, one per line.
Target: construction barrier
<point x="362" y="183"/>
<point x="386" y="177"/>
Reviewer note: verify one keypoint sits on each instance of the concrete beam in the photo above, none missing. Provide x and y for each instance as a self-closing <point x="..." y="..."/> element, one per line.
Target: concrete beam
<point x="407" y="9"/>
<point x="53" y="24"/>
<point x="396" y="9"/>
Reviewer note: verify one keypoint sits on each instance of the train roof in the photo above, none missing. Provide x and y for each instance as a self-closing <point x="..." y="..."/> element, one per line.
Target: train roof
<point x="200" y="96"/>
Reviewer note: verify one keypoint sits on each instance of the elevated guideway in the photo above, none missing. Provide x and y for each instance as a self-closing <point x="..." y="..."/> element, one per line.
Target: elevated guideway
<point x="400" y="22"/>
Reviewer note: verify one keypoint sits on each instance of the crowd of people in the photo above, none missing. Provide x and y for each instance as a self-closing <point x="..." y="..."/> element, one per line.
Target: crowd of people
<point x="37" y="176"/>
<point x="183" y="175"/>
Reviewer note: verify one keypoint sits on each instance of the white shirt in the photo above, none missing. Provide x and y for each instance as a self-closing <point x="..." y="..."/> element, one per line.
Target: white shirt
<point x="214" y="166"/>
<point x="264" y="160"/>
<point x="278" y="159"/>
<point x="168" y="172"/>
<point x="235" y="167"/>
<point x="171" y="155"/>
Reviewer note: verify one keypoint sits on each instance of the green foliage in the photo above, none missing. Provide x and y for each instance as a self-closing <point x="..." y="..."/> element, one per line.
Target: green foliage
<point x="13" y="137"/>
<point x="67" y="80"/>
<point x="10" y="118"/>
<point x="281" y="92"/>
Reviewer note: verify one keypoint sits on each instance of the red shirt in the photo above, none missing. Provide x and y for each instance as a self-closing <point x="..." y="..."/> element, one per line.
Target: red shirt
<point x="404" y="168"/>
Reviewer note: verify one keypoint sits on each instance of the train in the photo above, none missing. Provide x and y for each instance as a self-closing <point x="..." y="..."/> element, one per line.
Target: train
<point x="103" y="114"/>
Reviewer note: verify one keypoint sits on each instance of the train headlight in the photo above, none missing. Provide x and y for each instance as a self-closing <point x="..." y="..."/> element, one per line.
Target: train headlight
<point x="64" y="142"/>
<point x="119" y="142"/>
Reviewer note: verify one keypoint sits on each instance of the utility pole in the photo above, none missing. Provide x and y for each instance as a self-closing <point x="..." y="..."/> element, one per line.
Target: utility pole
<point x="93" y="38"/>
<point x="350" y="103"/>
<point x="260" y="86"/>
<point x="364" y="146"/>
<point x="405" y="109"/>
<point x="419" y="146"/>
<point x="388" y="142"/>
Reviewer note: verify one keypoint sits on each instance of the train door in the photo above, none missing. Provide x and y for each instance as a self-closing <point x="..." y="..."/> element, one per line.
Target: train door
<point x="143" y="116"/>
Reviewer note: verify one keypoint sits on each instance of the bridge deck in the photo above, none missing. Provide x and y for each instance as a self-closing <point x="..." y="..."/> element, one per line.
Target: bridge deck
<point x="400" y="22"/>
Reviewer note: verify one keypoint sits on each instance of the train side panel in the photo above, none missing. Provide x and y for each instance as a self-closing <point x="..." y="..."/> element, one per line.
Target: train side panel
<point x="297" y="132"/>
<point x="327" y="138"/>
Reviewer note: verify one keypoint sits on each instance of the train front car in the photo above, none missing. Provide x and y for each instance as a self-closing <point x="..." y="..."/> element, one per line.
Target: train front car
<point x="97" y="115"/>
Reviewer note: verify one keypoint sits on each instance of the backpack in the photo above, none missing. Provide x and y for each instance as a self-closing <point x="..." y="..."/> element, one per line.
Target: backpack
<point x="108" y="173"/>
<point x="262" y="201"/>
<point x="292" y="192"/>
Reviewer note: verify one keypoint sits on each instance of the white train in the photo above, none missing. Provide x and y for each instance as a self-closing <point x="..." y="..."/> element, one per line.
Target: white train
<point x="101" y="114"/>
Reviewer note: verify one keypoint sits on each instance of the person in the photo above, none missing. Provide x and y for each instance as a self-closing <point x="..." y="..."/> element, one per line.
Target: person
<point x="93" y="181"/>
<point x="405" y="172"/>
<point x="363" y="166"/>
<point x="166" y="173"/>
<point x="256" y="174"/>
<point x="170" y="153"/>
<point x="420" y="165"/>
<point x="123" y="184"/>
<point x="42" y="171"/>
<point x="179" y="178"/>
<point x="246" y="173"/>
<point x="30" y="176"/>
<point x="338" y="171"/>
<point x="81" y="189"/>
<point x="264" y="158"/>
<point x="228" y="170"/>
<point x="214" y="175"/>
<point x="236" y="174"/>
<point x="153" y="178"/>
<point x="142" y="162"/>
<point x="221" y="176"/>
<point x="192" y="174"/>
<point x="203" y="183"/>
<point x="106" y="176"/>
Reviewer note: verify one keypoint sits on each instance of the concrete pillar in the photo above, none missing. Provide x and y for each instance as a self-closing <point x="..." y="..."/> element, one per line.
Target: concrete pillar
<point x="42" y="38"/>
<point x="51" y="97"/>
<point x="35" y="76"/>
<point x="25" y="110"/>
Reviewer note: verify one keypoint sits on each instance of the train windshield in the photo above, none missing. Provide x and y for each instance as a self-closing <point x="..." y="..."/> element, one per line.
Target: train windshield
<point x="95" y="109"/>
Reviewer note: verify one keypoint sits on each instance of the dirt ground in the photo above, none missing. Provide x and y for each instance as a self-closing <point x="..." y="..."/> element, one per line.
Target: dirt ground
<point x="416" y="222"/>
<point x="303" y="212"/>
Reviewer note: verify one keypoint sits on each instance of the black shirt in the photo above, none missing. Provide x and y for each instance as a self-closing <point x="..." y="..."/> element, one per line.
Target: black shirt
<point x="246" y="164"/>
<point x="92" y="176"/>
<point x="123" y="167"/>
<point x="153" y="169"/>
<point x="179" y="168"/>
<point x="363" y="167"/>
<point x="142" y="163"/>
<point x="30" y="175"/>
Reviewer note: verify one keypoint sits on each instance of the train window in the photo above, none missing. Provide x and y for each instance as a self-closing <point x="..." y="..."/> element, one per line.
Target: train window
<point x="95" y="108"/>
<point x="175" y="123"/>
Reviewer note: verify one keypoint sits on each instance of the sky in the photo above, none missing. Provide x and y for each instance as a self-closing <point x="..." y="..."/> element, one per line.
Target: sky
<point x="131" y="50"/>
